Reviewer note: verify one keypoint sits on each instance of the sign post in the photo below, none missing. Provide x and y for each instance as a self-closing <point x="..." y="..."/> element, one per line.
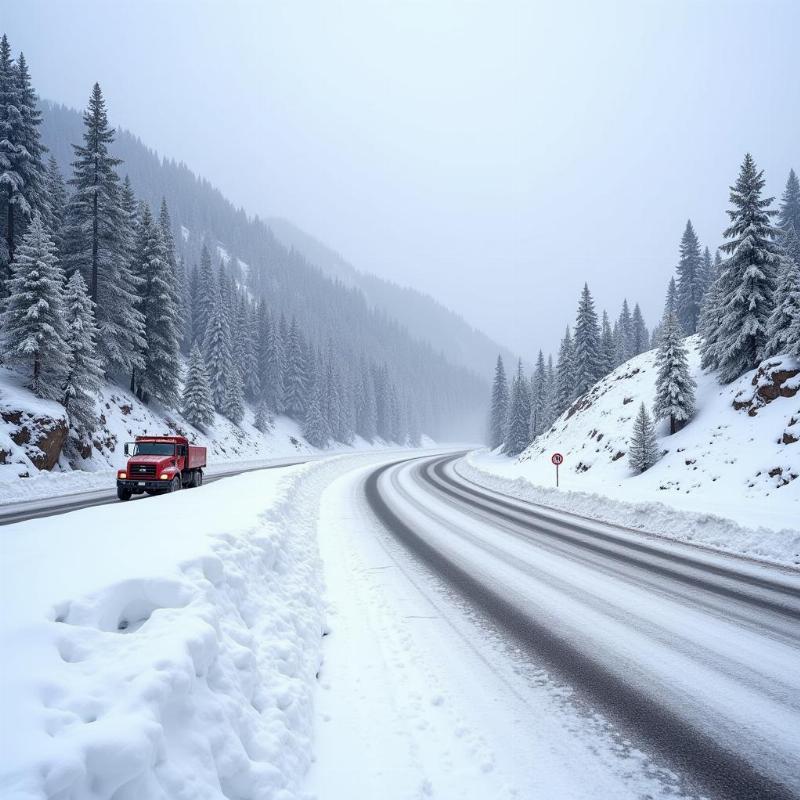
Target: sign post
<point x="557" y="459"/>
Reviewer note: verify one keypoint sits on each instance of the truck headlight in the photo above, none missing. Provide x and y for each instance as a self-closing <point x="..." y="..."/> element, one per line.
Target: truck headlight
<point x="122" y="474"/>
<point x="164" y="476"/>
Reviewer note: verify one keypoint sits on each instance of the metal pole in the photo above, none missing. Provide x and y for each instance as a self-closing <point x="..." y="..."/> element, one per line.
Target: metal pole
<point x="556" y="476"/>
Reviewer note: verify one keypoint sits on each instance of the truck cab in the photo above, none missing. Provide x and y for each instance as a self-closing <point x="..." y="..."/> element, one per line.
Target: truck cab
<point x="160" y="464"/>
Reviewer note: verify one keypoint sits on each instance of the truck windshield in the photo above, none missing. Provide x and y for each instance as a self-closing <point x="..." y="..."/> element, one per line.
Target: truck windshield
<point x="154" y="449"/>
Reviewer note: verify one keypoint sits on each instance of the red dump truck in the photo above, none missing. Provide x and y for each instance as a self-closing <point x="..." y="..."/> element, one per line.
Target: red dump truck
<point x="159" y="464"/>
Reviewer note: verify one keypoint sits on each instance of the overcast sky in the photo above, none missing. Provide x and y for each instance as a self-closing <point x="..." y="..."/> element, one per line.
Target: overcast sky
<point x="493" y="154"/>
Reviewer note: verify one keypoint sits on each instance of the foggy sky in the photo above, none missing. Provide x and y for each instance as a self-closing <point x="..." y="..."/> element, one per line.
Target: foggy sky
<point x="493" y="154"/>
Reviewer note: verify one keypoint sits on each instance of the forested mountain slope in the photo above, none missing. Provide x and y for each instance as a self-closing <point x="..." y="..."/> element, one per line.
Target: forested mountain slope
<point x="424" y="316"/>
<point x="448" y="395"/>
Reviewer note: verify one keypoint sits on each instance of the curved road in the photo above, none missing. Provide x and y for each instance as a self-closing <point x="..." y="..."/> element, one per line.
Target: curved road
<point x="694" y="654"/>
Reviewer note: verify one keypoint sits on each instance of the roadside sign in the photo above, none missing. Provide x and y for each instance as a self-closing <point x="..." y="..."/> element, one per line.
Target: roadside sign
<point x="557" y="459"/>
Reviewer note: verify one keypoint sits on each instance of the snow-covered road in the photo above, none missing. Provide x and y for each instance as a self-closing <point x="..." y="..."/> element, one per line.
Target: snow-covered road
<point x="481" y="647"/>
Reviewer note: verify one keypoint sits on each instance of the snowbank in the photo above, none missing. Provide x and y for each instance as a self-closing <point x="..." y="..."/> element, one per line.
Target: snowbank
<point x="165" y="649"/>
<point x="653" y="517"/>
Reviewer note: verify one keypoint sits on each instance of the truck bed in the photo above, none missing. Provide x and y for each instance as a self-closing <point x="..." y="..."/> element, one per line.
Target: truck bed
<point x="196" y="457"/>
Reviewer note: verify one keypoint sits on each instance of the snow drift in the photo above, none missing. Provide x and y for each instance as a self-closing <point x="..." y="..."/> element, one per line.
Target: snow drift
<point x="168" y="651"/>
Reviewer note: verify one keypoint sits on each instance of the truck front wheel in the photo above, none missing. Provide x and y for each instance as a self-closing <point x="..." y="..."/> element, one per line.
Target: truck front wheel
<point x="123" y="494"/>
<point x="198" y="478"/>
<point x="175" y="484"/>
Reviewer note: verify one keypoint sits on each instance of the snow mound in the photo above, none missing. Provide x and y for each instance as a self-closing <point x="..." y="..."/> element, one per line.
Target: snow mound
<point x="736" y="460"/>
<point x="168" y="649"/>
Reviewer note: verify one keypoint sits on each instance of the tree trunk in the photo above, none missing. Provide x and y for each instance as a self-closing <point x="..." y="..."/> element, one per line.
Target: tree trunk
<point x="10" y="229"/>
<point x="672" y="425"/>
<point x="94" y="246"/>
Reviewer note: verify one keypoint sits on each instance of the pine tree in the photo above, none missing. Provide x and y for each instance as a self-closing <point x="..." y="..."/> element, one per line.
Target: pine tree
<point x="366" y="411"/>
<point x="624" y="339"/>
<point x="174" y="277"/>
<point x="707" y="277"/>
<point x="198" y="402"/>
<point x="674" y="385"/>
<point x="33" y="321"/>
<point x="263" y="420"/>
<point x="783" y="325"/>
<point x="55" y="211"/>
<point x="233" y="396"/>
<point x="12" y="159"/>
<point x="790" y="204"/>
<point x="587" y="356"/>
<point x="207" y="295"/>
<point x="538" y="417"/>
<point x="85" y="375"/>
<point x="550" y="412"/>
<point x="640" y="338"/>
<point x="249" y="354"/>
<point x="565" y="375"/>
<point x="691" y="280"/>
<point x="296" y="387"/>
<point x="643" y="451"/>
<point x="608" y="350"/>
<point x="748" y="276"/>
<point x="217" y="351"/>
<point x="314" y="427"/>
<point x="498" y="413"/>
<point x="98" y="241"/>
<point x="519" y="414"/>
<point x="159" y="377"/>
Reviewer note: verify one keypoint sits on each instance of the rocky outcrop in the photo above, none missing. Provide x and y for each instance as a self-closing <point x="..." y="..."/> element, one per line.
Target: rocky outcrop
<point x="774" y="378"/>
<point x="41" y="437"/>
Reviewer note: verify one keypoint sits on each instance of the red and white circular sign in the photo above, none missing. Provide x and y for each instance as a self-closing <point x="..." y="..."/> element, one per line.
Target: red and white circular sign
<point x="557" y="458"/>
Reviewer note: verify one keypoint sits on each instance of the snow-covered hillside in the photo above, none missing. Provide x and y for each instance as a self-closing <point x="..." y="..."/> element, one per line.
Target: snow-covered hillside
<point x="33" y="431"/>
<point x="738" y="458"/>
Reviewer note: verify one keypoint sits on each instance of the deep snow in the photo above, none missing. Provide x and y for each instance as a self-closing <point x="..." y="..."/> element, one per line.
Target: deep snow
<point x="724" y="481"/>
<point x="166" y="648"/>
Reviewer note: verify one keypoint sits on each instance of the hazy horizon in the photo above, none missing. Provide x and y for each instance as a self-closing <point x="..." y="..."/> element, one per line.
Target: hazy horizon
<point x="494" y="156"/>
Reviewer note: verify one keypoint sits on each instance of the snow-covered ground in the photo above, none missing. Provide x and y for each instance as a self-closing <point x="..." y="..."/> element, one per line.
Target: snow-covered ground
<point x="727" y="480"/>
<point x="167" y="649"/>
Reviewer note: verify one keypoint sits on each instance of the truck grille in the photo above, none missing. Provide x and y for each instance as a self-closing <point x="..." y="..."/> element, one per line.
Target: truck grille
<point x="143" y="470"/>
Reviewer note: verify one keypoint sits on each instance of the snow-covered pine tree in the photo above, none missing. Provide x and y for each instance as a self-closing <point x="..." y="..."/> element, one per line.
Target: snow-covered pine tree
<point x="538" y="421"/>
<point x="519" y="414"/>
<point x="217" y="352"/>
<point x="674" y="385"/>
<point x="550" y="409"/>
<point x="791" y="244"/>
<point x="624" y="339"/>
<point x="56" y="194"/>
<point x="608" y="350"/>
<point x="783" y="325"/>
<point x="640" y="337"/>
<point x="206" y="297"/>
<point x="790" y="204"/>
<point x="197" y="404"/>
<point x="691" y="280"/>
<point x="274" y="369"/>
<point x="97" y="241"/>
<point x="565" y="375"/>
<point x="159" y="377"/>
<point x="708" y="277"/>
<point x="296" y="386"/>
<point x="332" y="400"/>
<point x="643" y="452"/>
<point x="587" y="357"/>
<point x="250" y="365"/>
<point x="177" y="279"/>
<point x="748" y="276"/>
<point x="11" y="160"/>
<point x="233" y="396"/>
<point x="314" y="427"/>
<point x="498" y="412"/>
<point x="263" y="420"/>
<point x="85" y="375"/>
<point x="366" y="410"/>
<point x="33" y="321"/>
